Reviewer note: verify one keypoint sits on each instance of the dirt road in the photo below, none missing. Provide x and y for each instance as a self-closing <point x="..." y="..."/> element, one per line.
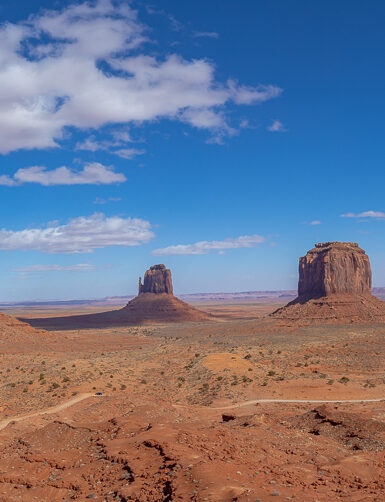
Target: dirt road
<point x="81" y="397"/>
<point x="309" y="401"/>
<point x="48" y="411"/>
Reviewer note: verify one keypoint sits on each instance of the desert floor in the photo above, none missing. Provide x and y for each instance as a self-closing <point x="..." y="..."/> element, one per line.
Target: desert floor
<point x="183" y="416"/>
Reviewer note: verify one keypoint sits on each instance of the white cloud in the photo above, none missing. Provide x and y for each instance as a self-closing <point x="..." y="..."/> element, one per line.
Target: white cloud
<point x="91" y="174"/>
<point x="91" y="145"/>
<point x="205" y="247"/>
<point x="32" y="269"/>
<point x="77" y="68"/>
<point x="247" y="95"/>
<point x="276" y="126"/>
<point x="205" y="34"/>
<point x="315" y="222"/>
<point x="379" y="215"/>
<point x="104" y="201"/>
<point x="128" y="153"/>
<point x="79" y="235"/>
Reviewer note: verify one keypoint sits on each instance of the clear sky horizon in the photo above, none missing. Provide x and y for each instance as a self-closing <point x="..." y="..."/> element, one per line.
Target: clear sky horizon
<point x="223" y="139"/>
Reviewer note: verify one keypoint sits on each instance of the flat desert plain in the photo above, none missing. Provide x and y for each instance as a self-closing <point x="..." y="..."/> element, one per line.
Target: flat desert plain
<point x="241" y="408"/>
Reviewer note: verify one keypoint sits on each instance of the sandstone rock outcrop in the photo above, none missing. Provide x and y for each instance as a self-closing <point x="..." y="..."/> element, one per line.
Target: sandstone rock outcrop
<point x="334" y="285"/>
<point x="334" y="268"/>
<point x="156" y="280"/>
<point x="155" y="303"/>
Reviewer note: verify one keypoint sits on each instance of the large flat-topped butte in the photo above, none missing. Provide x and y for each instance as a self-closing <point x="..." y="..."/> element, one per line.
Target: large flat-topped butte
<point x="334" y="285"/>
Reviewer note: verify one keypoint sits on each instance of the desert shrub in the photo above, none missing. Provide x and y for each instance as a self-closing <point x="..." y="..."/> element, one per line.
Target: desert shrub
<point x="344" y="380"/>
<point x="271" y="373"/>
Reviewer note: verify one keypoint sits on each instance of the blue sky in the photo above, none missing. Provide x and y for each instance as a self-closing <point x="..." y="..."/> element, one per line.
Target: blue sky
<point x="221" y="141"/>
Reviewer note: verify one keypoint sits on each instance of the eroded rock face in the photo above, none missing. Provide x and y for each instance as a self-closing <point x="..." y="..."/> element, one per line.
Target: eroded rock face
<point x="156" y="280"/>
<point x="334" y="268"/>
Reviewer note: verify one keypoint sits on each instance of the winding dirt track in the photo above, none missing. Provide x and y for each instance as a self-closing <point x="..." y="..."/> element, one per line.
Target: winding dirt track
<point x="48" y="411"/>
<point x="81" y="397"/>
<point x="310" y="401"/>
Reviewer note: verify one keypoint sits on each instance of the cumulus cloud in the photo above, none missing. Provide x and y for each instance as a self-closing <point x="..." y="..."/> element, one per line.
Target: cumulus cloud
<point x="205" y="247"/>
<point x="276" y="126"/>
<point x="85" y="66"/>
<point x="379" y="215"/>
<point x="79" y="235"/>
<point x="91" y="174"/>
<point x="32" y="269"/>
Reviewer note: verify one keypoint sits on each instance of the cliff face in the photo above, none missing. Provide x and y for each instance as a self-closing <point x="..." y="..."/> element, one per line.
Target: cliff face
<point x="334" y="268"/>
<point x="156" y="280"/>
<point x="334" y="287"/>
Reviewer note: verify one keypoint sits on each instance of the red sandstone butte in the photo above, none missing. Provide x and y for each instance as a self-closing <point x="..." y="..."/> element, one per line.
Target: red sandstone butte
<point x="334" y="285"/>
<point x="156" y="280"/>
<point x="155" y="303"/>
<point x="334" y="268"/>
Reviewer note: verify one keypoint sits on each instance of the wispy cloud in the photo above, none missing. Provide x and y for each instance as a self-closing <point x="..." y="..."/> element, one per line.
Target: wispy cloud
<point x="93" y="173"/>
<point x="205" y="34"/>
<point x="79" y="235"/>
<point x="247" y="95"/>
<point x="128" y="153"/>
<point x="116" y="146"/>
<point x="88" y="67"/>
<point x="35" y="269"/>
<point x="276" y="126"/>
<point x="377" y="215"/>
<point x="105" y="201"/>
<point x="205" y="247"/>
<point x="313" y="222"/>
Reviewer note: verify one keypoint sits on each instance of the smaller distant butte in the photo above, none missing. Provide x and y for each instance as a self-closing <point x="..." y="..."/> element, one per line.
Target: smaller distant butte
<point x="334" y="286"/>
<point x="155" y="303"/>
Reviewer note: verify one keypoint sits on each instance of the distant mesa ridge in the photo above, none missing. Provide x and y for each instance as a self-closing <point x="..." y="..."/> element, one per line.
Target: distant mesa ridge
<point x="155" y="303"/>
<point x="334" y="284"/>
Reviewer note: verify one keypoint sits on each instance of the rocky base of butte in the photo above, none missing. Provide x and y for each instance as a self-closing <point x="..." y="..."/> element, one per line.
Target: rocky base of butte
<point x="334" y="286"/>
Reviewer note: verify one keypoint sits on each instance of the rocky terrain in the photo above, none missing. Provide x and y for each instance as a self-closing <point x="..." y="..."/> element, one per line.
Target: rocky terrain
<point x="182" y="414"/>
